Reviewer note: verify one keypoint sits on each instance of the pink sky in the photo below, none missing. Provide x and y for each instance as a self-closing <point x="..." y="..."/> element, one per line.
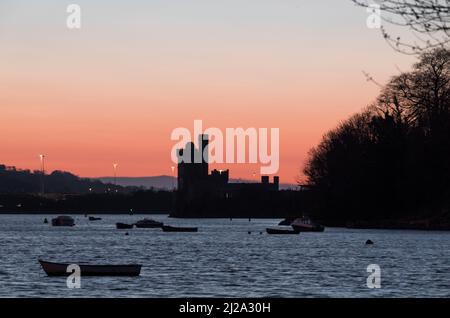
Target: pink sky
<point x="114" y="90"/>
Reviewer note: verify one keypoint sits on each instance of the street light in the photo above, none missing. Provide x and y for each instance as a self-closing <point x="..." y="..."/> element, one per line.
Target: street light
<point x="115" y="165"/>
<point x="42" y="159"/>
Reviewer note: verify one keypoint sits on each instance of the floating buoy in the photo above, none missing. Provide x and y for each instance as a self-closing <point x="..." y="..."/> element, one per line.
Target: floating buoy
<point x="127" y="233"/>
<point x="249" y="232"/>
<point x="369" y="242"/>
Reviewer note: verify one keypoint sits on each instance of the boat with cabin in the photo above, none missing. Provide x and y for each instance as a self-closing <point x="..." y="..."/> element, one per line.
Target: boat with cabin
<point x="63" y="220"/>
<point x="148" y="224"/>
<point x="306" y="225"/>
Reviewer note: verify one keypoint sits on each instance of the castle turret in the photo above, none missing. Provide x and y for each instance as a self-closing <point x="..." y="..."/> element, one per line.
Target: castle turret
<point x="203" y="141"/>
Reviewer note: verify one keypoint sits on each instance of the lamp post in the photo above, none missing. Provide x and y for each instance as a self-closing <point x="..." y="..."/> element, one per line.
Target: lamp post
<point x="42" y="159"/>
<point x="115" y="165"/>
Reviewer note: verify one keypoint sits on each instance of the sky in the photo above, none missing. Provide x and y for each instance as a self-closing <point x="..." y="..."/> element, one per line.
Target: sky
<point x="114" y="90"/>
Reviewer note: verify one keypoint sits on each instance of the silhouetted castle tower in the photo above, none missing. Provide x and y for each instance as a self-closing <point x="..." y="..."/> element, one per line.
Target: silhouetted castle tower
<point x="203" y="141"/>
<point x="193" y="165"/>
<point x="197" y="187"/>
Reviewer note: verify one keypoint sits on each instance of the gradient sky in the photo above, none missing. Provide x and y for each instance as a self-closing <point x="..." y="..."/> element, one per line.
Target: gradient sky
<point x="114" y="90"/>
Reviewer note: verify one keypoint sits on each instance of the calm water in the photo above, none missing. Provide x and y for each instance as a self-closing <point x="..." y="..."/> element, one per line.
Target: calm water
<point x="222" y="260"/>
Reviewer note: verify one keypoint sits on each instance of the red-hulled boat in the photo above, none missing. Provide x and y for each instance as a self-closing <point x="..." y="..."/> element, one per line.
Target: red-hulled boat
<point x="59" y="269"/>
<point x="306" y="225"/>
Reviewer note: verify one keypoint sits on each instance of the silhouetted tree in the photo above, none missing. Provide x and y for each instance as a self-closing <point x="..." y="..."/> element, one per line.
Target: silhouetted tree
<point x="392" y="159"/>
<point x="429" y="20"/>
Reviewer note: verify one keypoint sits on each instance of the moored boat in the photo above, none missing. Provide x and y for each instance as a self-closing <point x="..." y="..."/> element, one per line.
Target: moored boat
<point x="168" y="228"/>
<point x="287" y="221"/>
<point x="306" y="225"/>
<point x="123" y="226"/>
<point x="63" y="220"/>
<point x="282" y="231"/>
<point x="60" y="269"/>
<point x="148" y="224"/>
<point x="91" y="218"/>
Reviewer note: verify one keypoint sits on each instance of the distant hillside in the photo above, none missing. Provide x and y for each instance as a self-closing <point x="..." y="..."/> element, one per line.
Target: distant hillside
<point x="14" y="180"/>
<point x="167" y="182"/>
<point x="157" y="182"/>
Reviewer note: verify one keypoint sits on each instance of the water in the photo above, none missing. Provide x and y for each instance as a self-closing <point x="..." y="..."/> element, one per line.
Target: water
<point x="221" y="260"/>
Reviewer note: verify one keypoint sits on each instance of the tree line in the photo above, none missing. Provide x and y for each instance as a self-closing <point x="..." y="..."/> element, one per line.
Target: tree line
<point x="392" y="160"/>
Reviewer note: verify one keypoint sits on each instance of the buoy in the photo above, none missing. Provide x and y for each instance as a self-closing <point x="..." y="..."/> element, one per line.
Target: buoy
<point x="369" y="242"/>
<point x="249" y="232"/>
<point x="127" y="233"/>
<point x="45" y="221"/>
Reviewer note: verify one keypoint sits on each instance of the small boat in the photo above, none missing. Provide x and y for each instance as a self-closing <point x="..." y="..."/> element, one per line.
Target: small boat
<point x="91" y="218"/>
<point x="287" y="221"/>
<point x="63" y="221"/>
<point x="167" y="228"/>
<point x="58" y="269"/>
<point x="282" y="231"/>
<point x="148" y="224"/>
<point x="124" y="226"/>
<point x="306" y="225"/>
<point x="45" y="221"/>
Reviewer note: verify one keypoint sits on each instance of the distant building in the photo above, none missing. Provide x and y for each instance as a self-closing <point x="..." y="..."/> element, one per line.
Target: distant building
<point x="201" y="193"/>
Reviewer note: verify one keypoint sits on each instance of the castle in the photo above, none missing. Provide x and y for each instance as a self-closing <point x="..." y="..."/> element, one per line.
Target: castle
<point x="204" y="194"/>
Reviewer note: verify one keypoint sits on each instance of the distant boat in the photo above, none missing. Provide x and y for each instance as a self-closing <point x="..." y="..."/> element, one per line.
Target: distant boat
<point x="282" y="231"/>
<point x="123" y="226"/>
<point x="148" y="224"/>
<point x="45" y="221"/>
<point x="63" y="221"/>
<point x="92" y="218"/>
<point x="287" y="221"/>
<point x="167" y="228"/>
<point x="306" y="225"/>
<point x="58" y="269"/>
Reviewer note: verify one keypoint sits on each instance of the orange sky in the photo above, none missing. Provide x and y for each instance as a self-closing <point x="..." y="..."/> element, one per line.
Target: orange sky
<point x="114" y="90"/>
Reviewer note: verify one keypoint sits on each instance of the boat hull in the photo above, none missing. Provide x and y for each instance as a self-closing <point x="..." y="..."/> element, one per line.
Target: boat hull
<point x="124" y="226"/>
<point x="315" y="228"/>
<point x="63" y="222"/>
<point x="148" y="224"/>
<point x="281" y="231"/>
<point x="59" y="269"/>
<point x="167" y="228"/>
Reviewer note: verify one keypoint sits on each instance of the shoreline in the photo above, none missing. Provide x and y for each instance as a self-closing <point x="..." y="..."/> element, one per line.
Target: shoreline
<point x="422" y="225"/>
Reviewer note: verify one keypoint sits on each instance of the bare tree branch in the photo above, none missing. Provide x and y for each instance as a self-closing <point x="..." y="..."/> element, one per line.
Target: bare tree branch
<point x="429" y="21"/>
